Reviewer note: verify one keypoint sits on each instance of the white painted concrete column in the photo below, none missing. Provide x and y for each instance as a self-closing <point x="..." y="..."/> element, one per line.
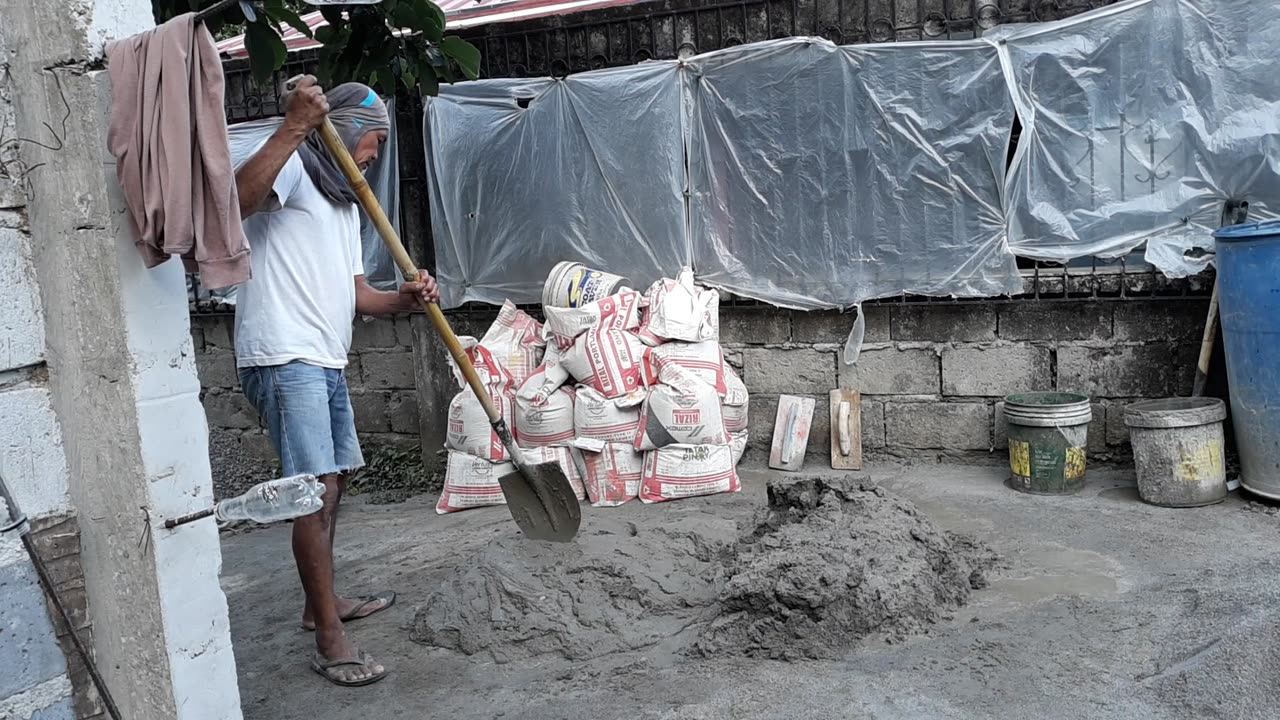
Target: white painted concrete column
<point x="121" y="375"/>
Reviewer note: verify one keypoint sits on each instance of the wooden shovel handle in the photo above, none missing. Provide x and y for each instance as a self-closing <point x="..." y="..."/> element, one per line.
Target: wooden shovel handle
<point x="389" y="236"/>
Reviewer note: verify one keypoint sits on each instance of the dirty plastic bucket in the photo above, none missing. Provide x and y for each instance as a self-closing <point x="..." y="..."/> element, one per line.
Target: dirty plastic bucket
<point x="572" y="285"/>
<point x="1177" y="450"/>
<point x="1048" y="434"/>
<point x="1249" y="291"/>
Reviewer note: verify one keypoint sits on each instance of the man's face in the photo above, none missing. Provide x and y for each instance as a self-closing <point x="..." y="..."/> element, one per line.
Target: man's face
<point x="367" y="149"/>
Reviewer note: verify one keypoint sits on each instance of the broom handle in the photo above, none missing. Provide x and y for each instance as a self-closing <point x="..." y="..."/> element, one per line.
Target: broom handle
<point x="389" y="236"/>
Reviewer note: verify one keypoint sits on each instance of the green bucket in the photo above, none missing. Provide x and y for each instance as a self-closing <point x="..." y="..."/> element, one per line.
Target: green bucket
<point x="1048" y="434"/>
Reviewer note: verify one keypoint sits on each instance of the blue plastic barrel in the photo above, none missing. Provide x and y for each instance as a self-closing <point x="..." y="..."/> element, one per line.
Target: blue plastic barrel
<point x="1248" y="259"/>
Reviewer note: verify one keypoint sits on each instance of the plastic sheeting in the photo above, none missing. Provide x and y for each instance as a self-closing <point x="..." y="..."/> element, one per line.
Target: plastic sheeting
<point x="383" y="176"/>
<point x="1140" y="121"/>
<point x="823" y="176"/>
<point x="527" y="173"/>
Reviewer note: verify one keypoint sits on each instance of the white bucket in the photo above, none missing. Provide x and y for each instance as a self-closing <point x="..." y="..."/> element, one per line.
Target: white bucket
<point x="572" y="285"/>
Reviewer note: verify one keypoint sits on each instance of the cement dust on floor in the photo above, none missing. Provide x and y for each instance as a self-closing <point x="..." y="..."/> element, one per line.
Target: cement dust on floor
<point x="1102" y="607"/>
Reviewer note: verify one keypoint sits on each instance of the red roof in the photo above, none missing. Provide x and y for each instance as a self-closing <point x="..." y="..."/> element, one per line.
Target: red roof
<point x="458" y="14"/>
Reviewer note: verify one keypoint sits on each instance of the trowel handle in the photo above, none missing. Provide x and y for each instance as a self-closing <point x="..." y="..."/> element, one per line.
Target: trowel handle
<point x="846" y="442"/>
<point x="391" y="238"/>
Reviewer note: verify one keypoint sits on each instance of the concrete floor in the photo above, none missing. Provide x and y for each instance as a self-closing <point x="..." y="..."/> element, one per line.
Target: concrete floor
<point x="1105" y="608"/>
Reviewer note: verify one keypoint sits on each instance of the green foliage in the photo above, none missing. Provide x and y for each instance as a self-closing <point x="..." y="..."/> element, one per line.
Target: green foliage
<point x="394" y="44"/>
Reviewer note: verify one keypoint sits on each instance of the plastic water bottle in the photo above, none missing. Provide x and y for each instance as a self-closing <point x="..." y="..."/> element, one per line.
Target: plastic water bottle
<point x="274" y="500"/>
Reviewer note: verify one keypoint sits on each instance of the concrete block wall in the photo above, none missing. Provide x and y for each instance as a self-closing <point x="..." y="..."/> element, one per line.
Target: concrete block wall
<point x="380" y="376"/>
<point x="933" y="376"/>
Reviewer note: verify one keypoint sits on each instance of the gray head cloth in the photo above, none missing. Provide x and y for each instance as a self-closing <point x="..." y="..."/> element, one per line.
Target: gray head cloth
<point x="354" y="110"/>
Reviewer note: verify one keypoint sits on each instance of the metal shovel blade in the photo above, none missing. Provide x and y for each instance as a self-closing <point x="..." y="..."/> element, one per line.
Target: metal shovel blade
<point x="542" y="502"/>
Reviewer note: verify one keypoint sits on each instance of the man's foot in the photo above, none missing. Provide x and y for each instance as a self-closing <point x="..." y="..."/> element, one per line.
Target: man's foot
<point x="355" y="608"/>
<point x="341" y="663"/>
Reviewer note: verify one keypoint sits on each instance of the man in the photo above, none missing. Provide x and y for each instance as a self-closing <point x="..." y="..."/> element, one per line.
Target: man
<point x="293" y="332"/>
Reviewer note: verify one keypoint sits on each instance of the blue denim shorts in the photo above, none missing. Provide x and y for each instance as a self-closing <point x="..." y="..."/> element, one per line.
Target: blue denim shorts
<point x="307" y="411"/>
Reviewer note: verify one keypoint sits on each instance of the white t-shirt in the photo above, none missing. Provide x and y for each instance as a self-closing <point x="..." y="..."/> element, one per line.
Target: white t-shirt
<point x="301" y="300"/>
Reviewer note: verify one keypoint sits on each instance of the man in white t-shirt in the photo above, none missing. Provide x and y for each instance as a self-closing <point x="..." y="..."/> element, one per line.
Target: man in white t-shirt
<point x="293" y="332"/>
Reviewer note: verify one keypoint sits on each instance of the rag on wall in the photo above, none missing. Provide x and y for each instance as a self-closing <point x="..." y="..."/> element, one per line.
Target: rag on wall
<point x="168" y="135"/>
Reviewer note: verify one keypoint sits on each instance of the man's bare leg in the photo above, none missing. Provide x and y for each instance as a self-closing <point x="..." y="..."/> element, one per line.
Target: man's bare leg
<point x="345" y="605"/>
<point x="313" y="550"/>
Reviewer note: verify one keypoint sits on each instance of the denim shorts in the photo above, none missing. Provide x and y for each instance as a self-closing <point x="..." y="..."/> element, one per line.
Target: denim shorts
<point x="307" y="411"/>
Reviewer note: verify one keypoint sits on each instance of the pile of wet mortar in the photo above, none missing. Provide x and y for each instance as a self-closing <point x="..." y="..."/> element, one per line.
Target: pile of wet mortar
<point x="824" y="564"/>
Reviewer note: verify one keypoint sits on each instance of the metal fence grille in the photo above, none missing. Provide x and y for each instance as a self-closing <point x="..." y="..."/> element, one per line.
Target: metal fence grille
<point x="666" y="29"/>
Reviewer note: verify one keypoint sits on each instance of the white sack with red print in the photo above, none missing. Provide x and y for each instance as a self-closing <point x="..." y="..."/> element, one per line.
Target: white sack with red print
<point x="679" y="310"/>
<point x="613" y="472"/>
<point x="543" y="420"/>
<point x="688" y="417"/>
<point x="736" y="402"/>
<point x="569" y="459"/>
<point x="612" y="362"/>
<point x="596" y="417"/>
<point x="471" y="482"/>
<point x="469" y="429"/>
<point x="681" y="364"/>
<point x="516" y="341"/>
<point x="616" y="312"/>
<point x="679" y="471"/>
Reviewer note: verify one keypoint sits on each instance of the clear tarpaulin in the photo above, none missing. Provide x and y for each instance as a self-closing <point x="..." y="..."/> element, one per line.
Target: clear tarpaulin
<point x="1140" y="121"/>
<point x="527" y="173"/>
<point x="822" y="176"/>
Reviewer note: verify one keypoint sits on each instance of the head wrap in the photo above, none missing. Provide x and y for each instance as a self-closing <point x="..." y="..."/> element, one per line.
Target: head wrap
<point x="354" y="110"/>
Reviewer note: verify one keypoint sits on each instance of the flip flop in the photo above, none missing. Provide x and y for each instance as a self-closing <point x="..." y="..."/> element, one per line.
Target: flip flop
<point x="365" y="601"/>
<point x="322" y="666"/>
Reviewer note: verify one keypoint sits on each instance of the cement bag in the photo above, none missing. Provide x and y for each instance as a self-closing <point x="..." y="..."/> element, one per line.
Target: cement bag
<point x="679" y="471"/>
<point x="613" y="472"/>
<point x="616" y="312"/>
<point x="470" y="482"/>
<point x="615" y="420"/>
<point x="612" y="362"/>
<point x="469" y="429"/>
<point x="673" y="416"/>
<point x="492" y="372"/>
<point x="516" y="342"/>
<point x="569" y="459"/>
<point x="736" y="401"/>
<point x="682" y="364"/>
<point x="543" y="420"/>
<point x="738" y="447"/>
<point x="679" y="310"/>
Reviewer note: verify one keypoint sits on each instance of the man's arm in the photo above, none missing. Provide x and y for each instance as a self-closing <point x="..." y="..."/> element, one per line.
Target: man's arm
<point x="380" y="303"/>
<point x="305" y="110"/>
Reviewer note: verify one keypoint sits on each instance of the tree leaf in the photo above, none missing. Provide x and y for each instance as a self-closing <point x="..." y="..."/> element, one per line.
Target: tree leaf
<point x="464" y="53"/>
<point x="429" y="84"/>
<point x="266" y="50"/>
<point x="294" y="19"/>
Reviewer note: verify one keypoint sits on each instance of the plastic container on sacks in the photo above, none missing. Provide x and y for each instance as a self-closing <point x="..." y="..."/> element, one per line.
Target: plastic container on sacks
<point x="1177" y="450"/>
<point x="572" y="285"/>
<point x="1048" y="434"/>
<point x="1248" y="260"/>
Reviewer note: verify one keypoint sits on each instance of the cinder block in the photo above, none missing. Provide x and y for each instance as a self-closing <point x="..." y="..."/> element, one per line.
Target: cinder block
<point x="404" y="331"/>
<point x="959" y="322"/>
<point x="370" y="409"/>
<point x="996" y="370"/>
<point x="355" y="379"/>
<point x="387" y="370"/>
<point x="754" y="325"/>
<point x="29" y="653"/>
<point x="819" y="447"/>
<point x="945" y="426"/>
<point x="229" y="409"/>
<point x="217" y="369"/>
<point x="402" y="412"/>
<point x="1032" y="320"/>
<point x="1171" y="320"/>
<point x="1117" y="433"/>
<point x="375" y="333"/>
<point x="733" y="358"/>
<point x="761" y="414"/>
<point x="1000" y="428"/>
<point x="218" y="330"/>
<point x="792" y="372"/>
<point x="1119" y="371"/>
<point x="872" y="424"/>
<point x="197" y="338"/>
<point x="893" y="371"/>
<point x="831" y="326"/>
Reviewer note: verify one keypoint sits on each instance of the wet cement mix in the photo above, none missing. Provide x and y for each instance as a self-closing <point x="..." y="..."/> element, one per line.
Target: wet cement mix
<point x="825" y="564"/>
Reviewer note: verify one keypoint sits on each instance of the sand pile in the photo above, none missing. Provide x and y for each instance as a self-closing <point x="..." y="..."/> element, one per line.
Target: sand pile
<point x="826" y="563"/>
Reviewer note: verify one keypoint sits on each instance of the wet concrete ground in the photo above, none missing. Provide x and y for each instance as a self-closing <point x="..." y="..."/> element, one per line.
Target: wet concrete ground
<point x="1105" y="608"/>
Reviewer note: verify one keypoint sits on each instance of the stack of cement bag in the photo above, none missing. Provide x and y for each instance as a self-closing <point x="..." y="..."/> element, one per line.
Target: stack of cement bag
<point x="630" y="394"/>
<point x="505" y="357"/>
<point x="657" y="413"/>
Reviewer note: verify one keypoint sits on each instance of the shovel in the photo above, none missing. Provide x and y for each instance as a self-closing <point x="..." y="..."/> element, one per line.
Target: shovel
<point x="539" y="496"/>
